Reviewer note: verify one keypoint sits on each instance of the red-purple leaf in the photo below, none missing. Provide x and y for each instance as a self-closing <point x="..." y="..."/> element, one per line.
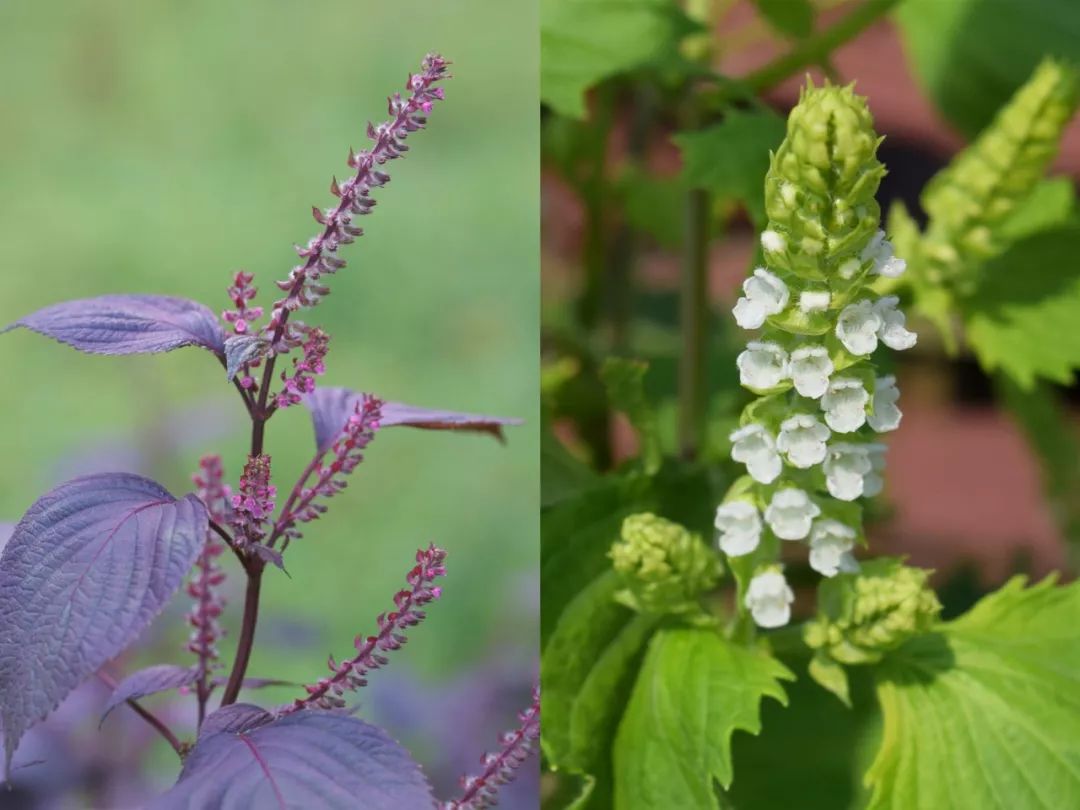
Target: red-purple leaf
<point x="86" y="570"/>
<point x="150" y="681"/>
<point x="234" y="718"/>
<point x="128" y="324"/>
<point x="331" y="408"/>
<point x="305" y="760"/>
<point x="241" y="349"/>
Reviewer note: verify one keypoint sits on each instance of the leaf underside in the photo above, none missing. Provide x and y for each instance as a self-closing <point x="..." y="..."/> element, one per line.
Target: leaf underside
<point x="150" y="681"/>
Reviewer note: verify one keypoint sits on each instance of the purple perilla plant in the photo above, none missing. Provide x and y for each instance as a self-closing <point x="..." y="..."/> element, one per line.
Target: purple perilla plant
<point x="94" y="561"/>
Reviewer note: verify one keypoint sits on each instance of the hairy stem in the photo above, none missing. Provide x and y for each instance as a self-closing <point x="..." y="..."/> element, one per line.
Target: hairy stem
<point x="155" y="722"/>
<point x="247" y="632"/>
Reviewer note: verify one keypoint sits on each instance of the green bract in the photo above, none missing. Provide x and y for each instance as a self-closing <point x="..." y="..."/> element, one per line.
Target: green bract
<point x="863" y="616"/>
<point x="663" y="567"/>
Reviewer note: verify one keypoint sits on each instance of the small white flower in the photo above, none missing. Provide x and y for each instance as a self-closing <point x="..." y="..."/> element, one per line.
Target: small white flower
<point x="755" y="447"/>
<point x="790" y="513"/>
<point x="848" y="268"/>
<point x="892" y="331"/>
<point x="739" y="525"/>
<point x="846" y="468"/>
<point x="830" y="540"/>
<point x="873" y="481"/>
<point x="802" y="439"/>
<point x="773" y="242"/>
<point x="814" y="300"/>
<point x="765" y="295"/>
<point x="769" y="599"/>
<point x="857" y="327"/>
<point x="848" y="563"/>
<point x="762" y="365"/>
<point x="886" y="415"/>
<point x="845" y="404"/>
<point x="810" y="368"/>
<point x="881" y="251"/>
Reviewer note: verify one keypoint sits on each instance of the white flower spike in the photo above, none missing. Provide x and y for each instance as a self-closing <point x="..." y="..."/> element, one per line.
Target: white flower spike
<point x="874" y="481"/>
<point x="773" y="242"/>
<point x="790" y="514"/>
<point x="886" y="416"/>
<point x="802" y="439"/>
<point x="845" y="404"/>
<point x="814" y="300"/>
<point x="739" y="525"/>
<point x="764" y="295"/>
<point x="830" y="542"/>
<point x="762" y="365"/>
<point x="893" y="332"/>
<point x="769" y="598"/>
<point x="846" y="468"/>
<point x="755" y="447"/>
<point x="810" y="368"/>
<point x="857" y="328"/>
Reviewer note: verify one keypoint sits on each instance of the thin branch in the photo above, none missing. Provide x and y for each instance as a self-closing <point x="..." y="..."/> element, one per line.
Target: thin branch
<point x="146" y="715"/>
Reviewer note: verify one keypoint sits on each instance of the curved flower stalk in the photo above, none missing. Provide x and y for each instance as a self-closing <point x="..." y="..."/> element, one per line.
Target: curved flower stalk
<point x="351" y="675"/>
<point x="809" y="442"/>
<point x="482" y="790"/>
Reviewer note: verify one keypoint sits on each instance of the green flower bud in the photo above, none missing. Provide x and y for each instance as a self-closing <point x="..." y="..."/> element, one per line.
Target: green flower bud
<point x="819" y="191"/>
<point x="664" y="568"/>
<point x="862" y="616"/>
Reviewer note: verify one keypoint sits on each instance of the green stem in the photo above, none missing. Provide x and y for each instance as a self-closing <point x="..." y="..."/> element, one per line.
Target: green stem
<point x="813" y="50"/>
<point x="693" y="318"/>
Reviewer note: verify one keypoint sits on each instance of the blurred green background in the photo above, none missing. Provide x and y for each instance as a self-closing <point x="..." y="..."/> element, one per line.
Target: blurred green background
<point x="160" y="146"/>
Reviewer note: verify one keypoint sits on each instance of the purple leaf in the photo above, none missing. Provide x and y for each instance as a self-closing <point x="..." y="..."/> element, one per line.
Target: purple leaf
<point x="331" y="408"/>
<point x="234" y="718"/>
<point x="241" y="349"/>
<point x="87" y="569"/>
<point x="149" y="681"/>
<point x="6" y="530"/>
<point x="304" y="760"/>
<point x="128" y="324"/>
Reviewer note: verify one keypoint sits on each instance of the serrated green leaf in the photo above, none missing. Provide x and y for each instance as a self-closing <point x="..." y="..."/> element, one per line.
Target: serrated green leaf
<point x="731" y="158"/>
<point x="971" y="55"/>
<point x="561" y="475"/>
<point x="584" y="664"/>
<point x="695" y="689"/>
<point x="1022" y="318"/>
<point x="625" y="383"/>
<point x="792" y="17"/>
<point x="985" y="714"/>
<point x="585" y="41"/>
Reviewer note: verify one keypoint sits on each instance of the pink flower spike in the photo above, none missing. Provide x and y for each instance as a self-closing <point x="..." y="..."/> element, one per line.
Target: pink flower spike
<point x="241" y="292"/>
<point x="303" y="287"/>
<point x="254" y="502"/>
<point x="482" y="790"/>
<point x="305" y="369"/>
<point x="351" y="674"/>
<point x="207" y="577"/>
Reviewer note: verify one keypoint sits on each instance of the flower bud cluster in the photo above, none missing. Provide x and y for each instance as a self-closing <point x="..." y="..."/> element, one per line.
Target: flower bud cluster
<point x="306" y="368"/>
<point x="808" y="441"/>
<point x="331" y="477"/>
<point x="862" y="617"/>
<point x="208" y="577"/>
<point x="242" y="292"/>
<point x="481" y="790"/>
<point x="370" y="650"/>
<point x="253" y="504"/>
<point x="663" y="567"/>
<point x="304" y="287"/>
